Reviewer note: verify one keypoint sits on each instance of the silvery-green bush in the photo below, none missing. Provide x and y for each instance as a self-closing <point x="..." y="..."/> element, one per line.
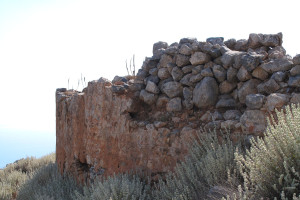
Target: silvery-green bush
<point x="209" y="163"/>
<point x="118" y="187"/>
<point x="271" y="168"/>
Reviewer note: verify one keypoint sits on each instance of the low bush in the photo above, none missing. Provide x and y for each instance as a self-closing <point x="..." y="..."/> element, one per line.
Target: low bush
<point x="118" y="187"/>
<point x="209" y="163"/>
<point x="16" y="174"/>
<point x="271" y="168"/>
<point x="47" y="183"/>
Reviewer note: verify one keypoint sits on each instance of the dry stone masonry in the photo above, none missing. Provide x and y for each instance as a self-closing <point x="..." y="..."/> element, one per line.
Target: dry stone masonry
<point x="143" y="123"/>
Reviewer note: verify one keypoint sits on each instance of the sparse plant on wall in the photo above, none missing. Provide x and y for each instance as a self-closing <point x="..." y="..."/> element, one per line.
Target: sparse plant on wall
<point x="131" y="69"/>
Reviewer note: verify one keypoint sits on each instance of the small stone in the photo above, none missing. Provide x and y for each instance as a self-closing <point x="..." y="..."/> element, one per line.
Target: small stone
<point x="207" y="72"/>
<point x="219" y="73"/>
<point x="152" y="87"/>
<point x="188" y="104"/>
<point x="255" y="101"/>
<point x="295" y="70"/>
<point x="230" y="43"/>
<point x="165" y="59"/>
<point x="226" y="103"/>
<point x="268" y="87"/>
<point x="229" y="124"/>
<point x="277" y="52"/>
<point x="206" y="93"/>
<point x="207" y="117"/>
<point x="187" y="69"/>
<point x="241" y="45"/>
<point x="159" y="124"/>
<point x="119" y="79"/>
<point x="152" y="78"/>
<point x="217" y="116"/>
<point x="172" y="89"/>
<point x="136" y="87"/>
<point x="253" y="121"/>
<point x="153" y="71"/>
<point x="142" y="74"/>
<point x="162" y="101"/>
<point x="272" y="40"/>
<point x="260" y="73"/>
<point x="171" y="50"/>
<point x="177" y="73"/>
<point x="186" y="80"/>
<point x="149" y="64"/>
<point x="296" y="59"/>
<point x="294" y="81"/>
<point x="159" y="45"/>
<point x="249" y="87"/>
<point x="119" y="89"/>
<point x="215" y="40"/>
<point x="185" y="49"/>
<point x="196" y="70"/>
<point x="170" y="67"/>
<point x="174" y="105"/>
<point x="243" y="74"/>
<point x="250" y="61"/>
<point x="276" y="100"/>
<point x="228" y="58"/>
<point x="214" y="125"/>
<point x="281" y="64"/>
<point x="189" y="40"/>
<point x="163" y="73"/>
<point x="232" y="115"/>
<point x="226" y="87"/>
<point x="295" y="98"/>
<point x="187" y="93"/>
<point x="199" y="58"/>
<point x="254" y="40"/>
<point x="182" y="60"/>
<point x="231" y="74"/>
<point x="279" y="76"/>
<point x="147" y="97"/>
<point x="196" y="78"/>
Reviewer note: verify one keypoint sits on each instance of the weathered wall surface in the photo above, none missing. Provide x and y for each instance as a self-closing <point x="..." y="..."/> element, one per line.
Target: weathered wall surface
<point x="144" y="123"/>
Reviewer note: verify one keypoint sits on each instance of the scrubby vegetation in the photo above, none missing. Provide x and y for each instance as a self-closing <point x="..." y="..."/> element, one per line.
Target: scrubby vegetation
<point x="214" y="169"/>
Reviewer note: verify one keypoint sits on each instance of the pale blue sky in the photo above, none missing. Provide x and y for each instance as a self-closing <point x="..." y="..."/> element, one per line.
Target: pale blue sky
<point x="43" y="43"/>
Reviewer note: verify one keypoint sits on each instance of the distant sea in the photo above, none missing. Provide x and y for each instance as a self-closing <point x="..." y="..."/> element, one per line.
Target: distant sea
<point x="17" y="144"/>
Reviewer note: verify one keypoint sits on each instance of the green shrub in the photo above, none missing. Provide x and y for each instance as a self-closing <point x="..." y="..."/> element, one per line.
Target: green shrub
<point x="209" y="163"/>
<point x="47" y="183"/>
<point x="118" y="187"/>
<point x="271" y="168"/>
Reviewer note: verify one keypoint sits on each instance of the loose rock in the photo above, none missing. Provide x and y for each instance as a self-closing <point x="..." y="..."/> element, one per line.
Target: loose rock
<point x="199" y="58"/>
<point x="174" y="105"/>
<point x="147" y="97"/>
<point x="276" y="100"/>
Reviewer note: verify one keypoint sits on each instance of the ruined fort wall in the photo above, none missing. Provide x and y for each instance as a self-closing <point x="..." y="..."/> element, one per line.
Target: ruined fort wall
<point x="143" y="123"/>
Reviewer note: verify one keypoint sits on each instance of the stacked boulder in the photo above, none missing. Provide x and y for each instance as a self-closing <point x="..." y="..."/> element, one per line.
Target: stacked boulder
<point x="239" y="80"/>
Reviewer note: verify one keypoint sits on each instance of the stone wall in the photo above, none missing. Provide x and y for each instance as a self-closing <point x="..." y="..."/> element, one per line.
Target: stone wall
<point x="143" y="123"/>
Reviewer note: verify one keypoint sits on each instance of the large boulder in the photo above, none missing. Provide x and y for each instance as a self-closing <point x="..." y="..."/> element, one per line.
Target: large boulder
<point x="172" y="89"/>
<point x="206" y="93"/>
